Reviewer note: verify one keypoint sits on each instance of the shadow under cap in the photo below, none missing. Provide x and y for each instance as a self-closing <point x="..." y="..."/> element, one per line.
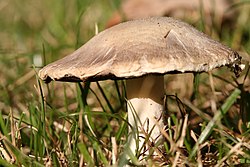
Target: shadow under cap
<point x="156" y="45"/>
<point x="146" y="86"/>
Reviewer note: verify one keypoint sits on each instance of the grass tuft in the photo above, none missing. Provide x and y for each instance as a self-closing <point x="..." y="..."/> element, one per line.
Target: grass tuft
<point x="85" y="124"/>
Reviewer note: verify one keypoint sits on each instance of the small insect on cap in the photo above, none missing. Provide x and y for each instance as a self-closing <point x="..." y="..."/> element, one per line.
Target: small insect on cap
<point x="156" y="45"/>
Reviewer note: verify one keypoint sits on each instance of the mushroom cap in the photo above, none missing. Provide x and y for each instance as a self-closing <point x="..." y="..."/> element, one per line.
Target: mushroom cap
<point x="156" y="45"/>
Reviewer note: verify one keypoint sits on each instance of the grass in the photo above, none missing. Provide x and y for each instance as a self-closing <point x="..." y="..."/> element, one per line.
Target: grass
<point x="84" y="124"/>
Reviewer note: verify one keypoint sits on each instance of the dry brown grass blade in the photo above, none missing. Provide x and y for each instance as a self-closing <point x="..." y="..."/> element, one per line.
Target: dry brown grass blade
<point x="181" y="141"/>
<point x="114" y="150"/>
<point x="22" y="80"/>
<point x="235" y="149"/>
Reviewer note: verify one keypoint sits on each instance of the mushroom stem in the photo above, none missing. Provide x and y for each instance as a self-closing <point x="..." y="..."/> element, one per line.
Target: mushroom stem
<point x="145" y="109"/>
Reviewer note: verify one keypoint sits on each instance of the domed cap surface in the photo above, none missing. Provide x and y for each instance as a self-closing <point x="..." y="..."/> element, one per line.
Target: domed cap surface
<point x="157" y="45"/>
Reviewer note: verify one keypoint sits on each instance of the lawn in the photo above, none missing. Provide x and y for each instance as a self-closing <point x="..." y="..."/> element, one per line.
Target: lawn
<point x="85" y="124"/>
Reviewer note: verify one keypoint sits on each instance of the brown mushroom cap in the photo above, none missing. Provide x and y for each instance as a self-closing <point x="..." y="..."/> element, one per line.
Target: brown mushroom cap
<point x="157" y="45"/>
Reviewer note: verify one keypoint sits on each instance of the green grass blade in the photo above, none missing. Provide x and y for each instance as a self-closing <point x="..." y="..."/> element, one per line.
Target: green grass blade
<point x="84" y="151"/>
<point x="105" y="97"/>
<point x="196" y="86"/>
<point x="3" y="128"/>
<point x="20" y="157"/>
<point x="84" y="108"/>
<point x="5" y="163"/>
<point x="120" y="97"/>
<point x="121" y="129"/>
<point x="219" y="114"/>
<point x="42" y="123"/>
<point x="100" y="154"/>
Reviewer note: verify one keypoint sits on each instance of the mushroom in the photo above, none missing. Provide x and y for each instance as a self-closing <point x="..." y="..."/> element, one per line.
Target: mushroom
<point x="141" y="52"/>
